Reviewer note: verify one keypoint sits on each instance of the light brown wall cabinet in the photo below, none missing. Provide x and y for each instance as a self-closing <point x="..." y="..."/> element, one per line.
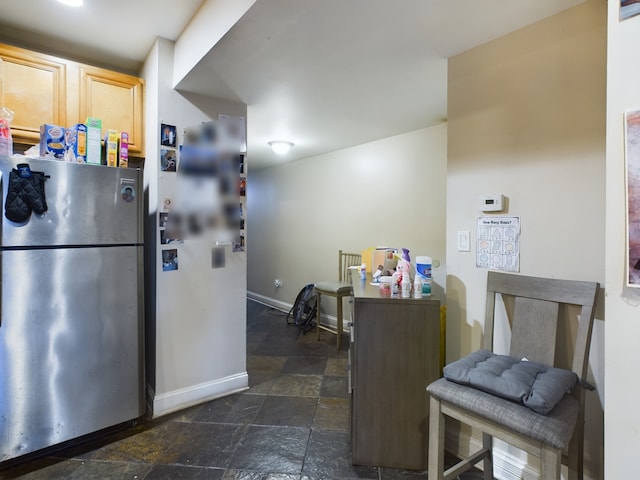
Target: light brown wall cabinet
<point x="41" y="89"/>
<point x="34" y="86"/>
<point x="394" y="354"/>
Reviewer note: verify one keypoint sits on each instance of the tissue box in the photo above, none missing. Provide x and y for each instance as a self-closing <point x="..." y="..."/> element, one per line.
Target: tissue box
<point x="76" y="144"/>
<point x="94" y="135"/>
<point x="52" y="141"/>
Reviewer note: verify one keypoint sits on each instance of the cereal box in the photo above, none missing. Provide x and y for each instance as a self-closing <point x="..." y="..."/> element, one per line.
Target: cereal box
<point x="52" y="141"/>
<point x="111" y="147"/>
<point x="76" y="144"/>
<point x="123" y="161"/>
<point x="94" y="137"/>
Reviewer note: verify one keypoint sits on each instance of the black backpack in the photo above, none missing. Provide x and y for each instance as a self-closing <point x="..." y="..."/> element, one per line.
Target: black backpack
<point x="303" y="311"/>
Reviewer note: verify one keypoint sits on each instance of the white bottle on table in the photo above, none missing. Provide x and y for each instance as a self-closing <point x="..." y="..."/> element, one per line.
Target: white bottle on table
<point x="405" y="285"/>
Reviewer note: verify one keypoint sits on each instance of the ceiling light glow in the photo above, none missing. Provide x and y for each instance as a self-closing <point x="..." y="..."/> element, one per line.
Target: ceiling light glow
<point x="281" y="147"/>
<point x="72" y="3"/>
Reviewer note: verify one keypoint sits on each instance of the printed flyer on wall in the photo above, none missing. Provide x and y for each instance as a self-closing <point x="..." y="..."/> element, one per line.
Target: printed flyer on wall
<point x="498" y="243"/>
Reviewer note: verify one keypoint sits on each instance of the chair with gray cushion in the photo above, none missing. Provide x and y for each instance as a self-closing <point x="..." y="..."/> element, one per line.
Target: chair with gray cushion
<point x="339" y="290"/>
<point x="536" y="308"/>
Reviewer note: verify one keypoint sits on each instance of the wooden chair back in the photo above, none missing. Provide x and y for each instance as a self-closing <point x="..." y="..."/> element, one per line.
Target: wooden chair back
<point x="536" y="308"/>
<point x="347" y="260"/>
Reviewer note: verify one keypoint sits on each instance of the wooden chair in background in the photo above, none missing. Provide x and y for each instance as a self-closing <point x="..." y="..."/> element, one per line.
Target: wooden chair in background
<point x="339" y="290"/>
<point x="534" y="324"/>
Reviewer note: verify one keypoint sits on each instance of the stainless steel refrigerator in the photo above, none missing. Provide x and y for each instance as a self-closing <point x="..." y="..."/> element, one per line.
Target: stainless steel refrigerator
<point x="71" y="324"/>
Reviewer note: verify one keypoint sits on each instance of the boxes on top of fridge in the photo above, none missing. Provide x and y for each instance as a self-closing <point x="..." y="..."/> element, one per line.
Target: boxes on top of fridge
<point x="123" y="160"/>
<point x="76" y="148"/>
<point x="94" y="137"/>
<point x="52" y="141"/>
<point x="111" y="147"/>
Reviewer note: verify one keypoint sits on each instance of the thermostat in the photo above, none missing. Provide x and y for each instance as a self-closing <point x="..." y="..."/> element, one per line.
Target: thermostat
<point x="492" y="203"/>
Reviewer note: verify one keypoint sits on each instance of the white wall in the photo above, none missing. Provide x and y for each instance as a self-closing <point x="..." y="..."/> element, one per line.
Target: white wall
<point x="527" y="119"/>
<point x="207" y="27"/>
<point x="196" y="316"/>
<point x="387" y="192"/>
<point x="622" y="415"/>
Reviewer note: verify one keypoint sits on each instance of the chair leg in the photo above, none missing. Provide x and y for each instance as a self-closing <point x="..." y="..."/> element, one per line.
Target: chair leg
<point x="436" y="441"/>
<point x="575" y="457"/>
<point x="339" y="326"/>
<point x="487" y="463"/>
<point x="318" y="316"/>
<point x="550" y="462"/>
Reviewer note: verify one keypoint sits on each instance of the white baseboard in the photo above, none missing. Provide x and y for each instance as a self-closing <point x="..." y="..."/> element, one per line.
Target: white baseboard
<point x="286" y="307"/>
<point x="506" y="465"/>
<point x="269" y="302"/>
<point x="173" y="401"/>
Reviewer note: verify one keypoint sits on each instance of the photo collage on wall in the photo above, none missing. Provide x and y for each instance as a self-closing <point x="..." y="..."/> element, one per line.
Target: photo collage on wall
<point x="239" y="245"/>
<point x="168" y="163"/>
<point x="168" y="152"/>
<point x="210" y="189"/>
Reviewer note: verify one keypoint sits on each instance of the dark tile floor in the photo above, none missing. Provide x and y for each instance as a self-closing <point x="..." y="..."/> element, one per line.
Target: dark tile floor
<point x="292" y="424"/>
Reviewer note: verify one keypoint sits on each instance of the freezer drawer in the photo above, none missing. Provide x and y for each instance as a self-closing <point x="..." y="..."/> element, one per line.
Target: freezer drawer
<point x="71" y="348"/>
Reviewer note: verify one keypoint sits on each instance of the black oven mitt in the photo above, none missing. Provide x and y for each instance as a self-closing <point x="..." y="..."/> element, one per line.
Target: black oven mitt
<point x="25" y="193"/>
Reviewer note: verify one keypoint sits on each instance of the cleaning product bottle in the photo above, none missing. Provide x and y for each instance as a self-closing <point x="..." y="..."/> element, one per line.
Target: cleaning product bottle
<point x="423" y="270"/>
<point x="417" y="286"/>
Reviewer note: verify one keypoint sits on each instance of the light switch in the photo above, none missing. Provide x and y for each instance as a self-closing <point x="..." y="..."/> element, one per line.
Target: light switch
<point x="463" y="241"/>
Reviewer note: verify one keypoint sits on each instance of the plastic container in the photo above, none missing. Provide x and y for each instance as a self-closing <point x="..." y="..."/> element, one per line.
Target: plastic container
<point x="423" y="266"/>
<point x="385" y="286"/>
<point x="6" y="142"/>
<point x="417" y="287"/>
<point x="426" y="287"/>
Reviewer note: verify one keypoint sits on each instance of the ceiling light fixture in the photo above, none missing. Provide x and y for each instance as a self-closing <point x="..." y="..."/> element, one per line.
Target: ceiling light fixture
<point x="281" y="147"/>
<point x="72" y="3"/>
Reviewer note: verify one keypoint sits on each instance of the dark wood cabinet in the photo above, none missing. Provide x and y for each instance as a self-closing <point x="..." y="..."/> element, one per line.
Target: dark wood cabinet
<point x="394" y="354"/>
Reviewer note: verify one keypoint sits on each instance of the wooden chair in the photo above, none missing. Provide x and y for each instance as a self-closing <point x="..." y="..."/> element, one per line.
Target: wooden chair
<point x="339" y="290"/>
<point x="534" y="323"/>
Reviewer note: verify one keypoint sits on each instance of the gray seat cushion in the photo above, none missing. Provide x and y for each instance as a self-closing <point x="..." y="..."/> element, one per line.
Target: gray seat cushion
<point x="555" y="428"/>
<point x="336" y="288"/>
<point x="535" y="385"/>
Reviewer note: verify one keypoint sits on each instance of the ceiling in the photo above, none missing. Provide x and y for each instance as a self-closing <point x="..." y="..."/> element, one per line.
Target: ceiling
<point x="325" y="75"/>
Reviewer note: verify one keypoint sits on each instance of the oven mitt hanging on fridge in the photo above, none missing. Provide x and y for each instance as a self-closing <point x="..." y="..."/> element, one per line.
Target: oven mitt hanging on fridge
<point x="25" y="193"/>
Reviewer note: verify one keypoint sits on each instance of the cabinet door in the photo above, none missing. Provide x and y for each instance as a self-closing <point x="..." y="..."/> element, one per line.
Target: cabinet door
<point x="33" y="86"/>
<point x="396" y="356"/>
<point x="116" y="99"/>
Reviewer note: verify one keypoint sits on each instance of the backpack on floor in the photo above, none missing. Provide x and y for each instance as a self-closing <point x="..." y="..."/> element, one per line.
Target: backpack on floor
<point x="303" y="311"/>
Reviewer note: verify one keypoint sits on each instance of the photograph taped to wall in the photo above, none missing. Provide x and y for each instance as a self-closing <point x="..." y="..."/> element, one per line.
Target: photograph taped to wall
<point x="629" y="8"/>
<point x="168" y="160"/>
<point x="168" y="135"/>
<point x="169" y="260"/>
<point x="632" y="156"/>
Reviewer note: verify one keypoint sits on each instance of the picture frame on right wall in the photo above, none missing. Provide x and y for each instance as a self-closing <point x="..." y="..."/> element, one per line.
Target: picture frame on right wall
<point x="632" y="160"/>
<point x="629" y="8"/>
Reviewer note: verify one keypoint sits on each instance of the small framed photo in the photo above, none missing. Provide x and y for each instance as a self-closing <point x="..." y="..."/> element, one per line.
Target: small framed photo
<point x="168" y="135"/>
<point x="168" y="160"/>
<point x="629" y="8"/>
<point x="169" y="260"/>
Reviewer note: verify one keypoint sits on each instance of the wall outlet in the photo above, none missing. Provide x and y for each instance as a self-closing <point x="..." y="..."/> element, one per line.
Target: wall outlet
<point x="278" y="283"/>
